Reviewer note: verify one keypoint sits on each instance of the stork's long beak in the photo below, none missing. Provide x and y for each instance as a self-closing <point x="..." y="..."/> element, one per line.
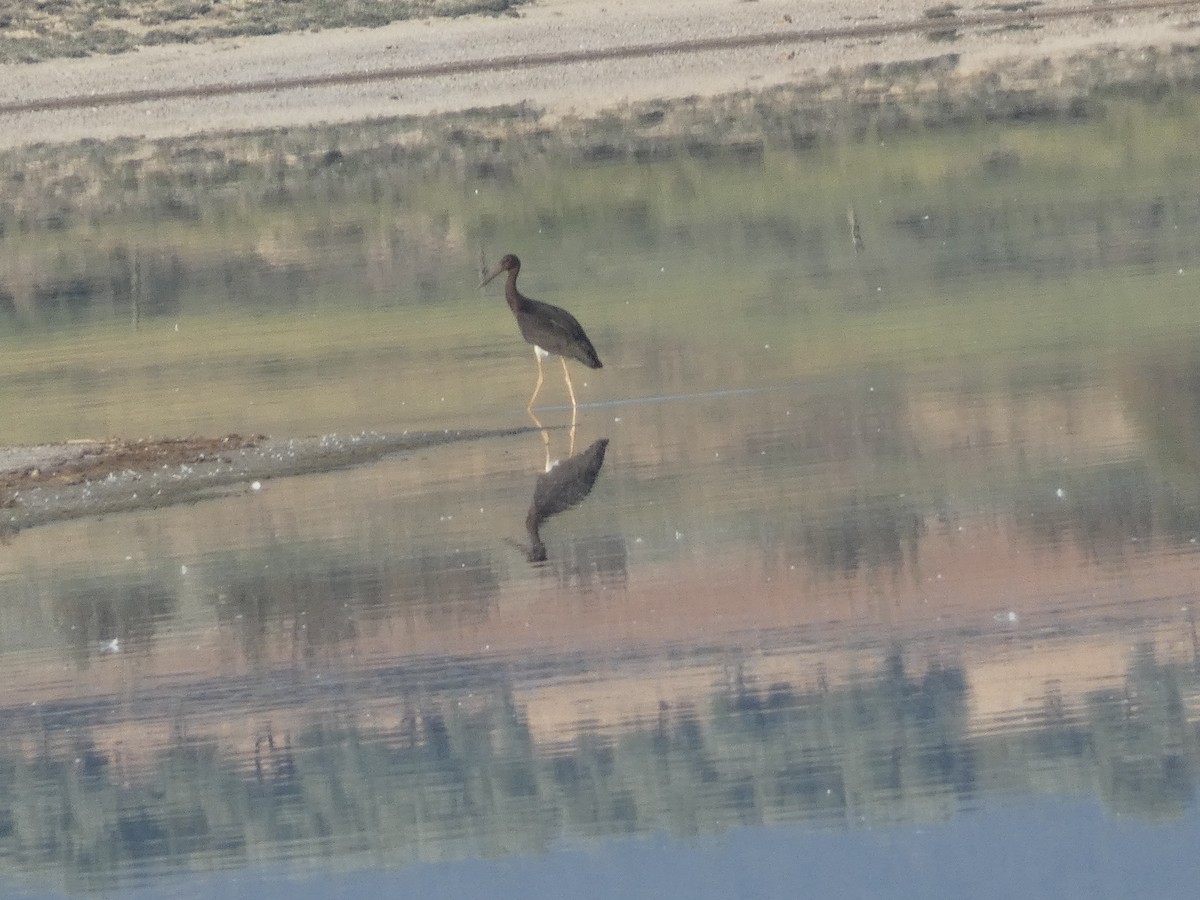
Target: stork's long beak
<point x="492" y="274"/>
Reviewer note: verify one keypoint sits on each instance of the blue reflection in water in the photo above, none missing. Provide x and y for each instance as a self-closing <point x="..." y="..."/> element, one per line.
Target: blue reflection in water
<point x="1043" y="849"/>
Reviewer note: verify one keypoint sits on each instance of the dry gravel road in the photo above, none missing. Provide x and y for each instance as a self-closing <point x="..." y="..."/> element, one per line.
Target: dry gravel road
<point x="561" y="55"/>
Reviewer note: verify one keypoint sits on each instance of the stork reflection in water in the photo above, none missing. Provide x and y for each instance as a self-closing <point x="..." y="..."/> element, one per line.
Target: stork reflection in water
<point x="564" y="485"/>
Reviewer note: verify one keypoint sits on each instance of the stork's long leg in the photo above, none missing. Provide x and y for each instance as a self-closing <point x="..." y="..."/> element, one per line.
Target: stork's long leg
<point x="567" y="375"/>
<point x="537" y="354"/>
<point x="574" y="406"/>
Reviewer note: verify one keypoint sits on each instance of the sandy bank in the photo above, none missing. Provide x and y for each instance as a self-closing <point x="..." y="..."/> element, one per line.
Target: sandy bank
<point x="561" y="55"/>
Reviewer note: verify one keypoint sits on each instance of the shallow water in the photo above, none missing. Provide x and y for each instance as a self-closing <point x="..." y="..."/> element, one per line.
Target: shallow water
<point x="885" y="583"/>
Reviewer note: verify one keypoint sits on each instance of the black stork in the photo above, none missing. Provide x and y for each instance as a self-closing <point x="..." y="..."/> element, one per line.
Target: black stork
<point x="551" y="329"/>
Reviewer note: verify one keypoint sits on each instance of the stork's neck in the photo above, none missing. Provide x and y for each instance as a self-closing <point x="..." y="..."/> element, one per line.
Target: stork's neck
<point x="511" y="294"/>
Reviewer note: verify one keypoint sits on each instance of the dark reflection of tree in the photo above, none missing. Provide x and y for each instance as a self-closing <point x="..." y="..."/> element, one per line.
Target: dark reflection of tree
<point x="450" y="586"/>
<point x="879" y="534"/>
<point x="865" y="419"/>
<point x="1060" y="735"/>
<point x="149" y="284"/>
<point x="459" y="772"/>
<point x="274" y="763"/>
<point x="65" y="299"/>
<point x="1107" y="510"/>
<point x="112" y="612"/>
<point x="1103" y="509"/>
<point x="1042" y="236"/>
<point x="1142" y="740"/>
<point x="298" y="594"/>
<point x="8" y="306"/>
<point x="872" y="533"/>
<point x="594" y="562"/>
<point x="1163" y="397"/>
<point x="871" y="749"/>
<point x="314" y="599"/>
<point x="1132" y="745"/>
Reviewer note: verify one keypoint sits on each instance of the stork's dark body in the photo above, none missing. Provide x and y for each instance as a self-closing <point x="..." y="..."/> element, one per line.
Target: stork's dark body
<point x="544" y="325"/>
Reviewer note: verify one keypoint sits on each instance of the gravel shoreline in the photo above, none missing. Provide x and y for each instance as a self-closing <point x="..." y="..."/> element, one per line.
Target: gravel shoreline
<point x="55" y="482"/>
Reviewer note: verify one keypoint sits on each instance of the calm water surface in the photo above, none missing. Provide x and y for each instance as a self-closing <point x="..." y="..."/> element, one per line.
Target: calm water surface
<point x="869" y="568"/>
